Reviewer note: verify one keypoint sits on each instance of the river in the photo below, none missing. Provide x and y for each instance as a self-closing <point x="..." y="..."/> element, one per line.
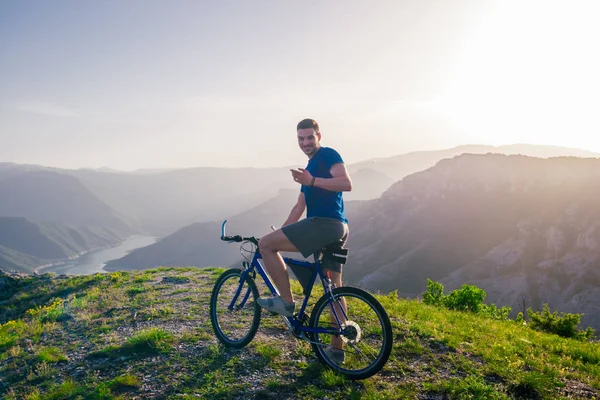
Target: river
<point x="94" y="261"/>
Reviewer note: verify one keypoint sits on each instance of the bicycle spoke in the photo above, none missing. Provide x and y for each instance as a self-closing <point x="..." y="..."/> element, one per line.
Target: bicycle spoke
<point x="366" y="334"/>
<point x="234" y="327"/>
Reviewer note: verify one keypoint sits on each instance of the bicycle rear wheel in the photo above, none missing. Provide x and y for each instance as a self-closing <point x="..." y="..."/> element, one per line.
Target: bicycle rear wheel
<point x="234" y="327"/>
<point x="367" y="333"/>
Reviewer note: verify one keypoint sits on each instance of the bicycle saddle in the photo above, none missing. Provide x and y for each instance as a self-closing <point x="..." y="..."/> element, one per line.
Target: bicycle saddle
<point x="335" y="252"/>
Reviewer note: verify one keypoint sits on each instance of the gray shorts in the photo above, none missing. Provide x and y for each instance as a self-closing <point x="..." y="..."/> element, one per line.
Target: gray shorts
<point x="311" y="234"/>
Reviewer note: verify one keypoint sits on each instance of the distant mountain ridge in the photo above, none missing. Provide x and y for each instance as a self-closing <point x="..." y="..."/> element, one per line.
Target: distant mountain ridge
<point x="25" y="246"/>
<point x="526" y="230"/>
<point x="48" y="216"/>
<point x="160" y="202"/>
<point x="199" y="244"/>
<point x="43" y="196"/>
<point x="397" y="167"/>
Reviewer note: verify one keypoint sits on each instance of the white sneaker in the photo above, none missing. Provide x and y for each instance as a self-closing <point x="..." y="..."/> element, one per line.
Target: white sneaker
<point x="277" y="305"/>
<point x="338" y="356"/>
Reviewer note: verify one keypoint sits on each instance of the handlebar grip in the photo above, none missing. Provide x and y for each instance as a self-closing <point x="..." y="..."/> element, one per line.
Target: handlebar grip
<point x="236" y="238"/>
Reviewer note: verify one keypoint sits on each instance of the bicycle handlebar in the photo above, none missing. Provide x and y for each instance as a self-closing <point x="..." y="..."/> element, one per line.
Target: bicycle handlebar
<point x="236" y="238"/>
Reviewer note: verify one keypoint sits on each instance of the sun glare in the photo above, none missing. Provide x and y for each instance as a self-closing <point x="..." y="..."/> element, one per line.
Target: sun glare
<point x="529" y="73"/>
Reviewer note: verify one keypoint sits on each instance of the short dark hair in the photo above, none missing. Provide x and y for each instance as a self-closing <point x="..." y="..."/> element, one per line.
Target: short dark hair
<point x="308" y="123"/>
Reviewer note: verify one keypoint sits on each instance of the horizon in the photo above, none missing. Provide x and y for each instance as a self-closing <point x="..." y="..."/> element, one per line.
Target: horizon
<point x="156" y="85"/>
<point x="373" y="159"/>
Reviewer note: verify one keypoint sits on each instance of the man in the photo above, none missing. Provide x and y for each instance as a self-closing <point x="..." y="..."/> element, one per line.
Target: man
<point x="323" y="181"/>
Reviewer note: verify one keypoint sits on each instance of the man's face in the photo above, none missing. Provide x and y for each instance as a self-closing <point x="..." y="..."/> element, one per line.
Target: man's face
<point x="308" y="140"/>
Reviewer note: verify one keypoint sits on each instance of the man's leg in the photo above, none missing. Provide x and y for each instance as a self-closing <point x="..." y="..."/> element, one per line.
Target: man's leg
<point x="336" y="341"/>
<point x="270" y="246"/>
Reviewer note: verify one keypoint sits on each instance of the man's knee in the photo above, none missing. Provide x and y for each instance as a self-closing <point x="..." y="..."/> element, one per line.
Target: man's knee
<point x="266" y="243"/>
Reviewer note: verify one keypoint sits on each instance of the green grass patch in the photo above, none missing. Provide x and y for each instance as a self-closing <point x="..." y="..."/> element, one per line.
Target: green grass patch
<point x="267" y="351"/>
<point x="151" y="313"/>
<point x="48" y="313"/>
<point x="135" y="290"/>
<point x="124" y="382"/>
<point x="154" y="340"/>
<point x="10" y="332"/>
<point x="471" y="387"/>
<point x="51" y="355"/>
<point x="332" y="379"/>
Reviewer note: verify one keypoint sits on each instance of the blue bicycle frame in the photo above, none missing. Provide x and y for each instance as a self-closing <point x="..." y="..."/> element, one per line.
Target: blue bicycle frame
<point x="292" y="322"/>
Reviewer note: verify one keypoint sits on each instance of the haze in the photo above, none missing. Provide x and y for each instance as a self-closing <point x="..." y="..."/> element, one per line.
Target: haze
<point x="159" y="84"/>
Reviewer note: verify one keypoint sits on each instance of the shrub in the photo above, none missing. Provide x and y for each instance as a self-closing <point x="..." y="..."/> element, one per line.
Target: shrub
<point x="49" y="313"/>
<point x="520" y="318"/>
<point x="435" y="293"/>
<point x="494" y="312"/>
<point x="564" y="325"/>
<point x="468" y="298"/>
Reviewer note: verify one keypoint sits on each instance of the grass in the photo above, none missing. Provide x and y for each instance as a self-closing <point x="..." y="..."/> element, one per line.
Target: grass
<point x="136" y="332"/>
<point x="152" y="341"/>
<point x="133" y="290"/>
<point x="124" y="382"/>
<point x="267" y="351"/>
<point x="51" y="355"/>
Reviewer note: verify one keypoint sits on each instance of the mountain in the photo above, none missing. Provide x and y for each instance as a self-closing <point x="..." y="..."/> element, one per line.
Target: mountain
<point x="147" y="335"/>
<point x="14" y="260"/>
<point x="367" y="184"/>
<point x="47" y="196"/>
<point x="526" y="230"/>
<point x="25" y="245"/>
<point x="47" y="216"/>
<point x="397" y="167"/>
<point x="159" y="202"/>
<point x="163" y="202"/>
<point x="199" y="244"/>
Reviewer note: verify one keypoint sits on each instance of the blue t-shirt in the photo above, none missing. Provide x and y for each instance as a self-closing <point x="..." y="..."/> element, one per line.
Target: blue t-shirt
<point x="320" y="202"/>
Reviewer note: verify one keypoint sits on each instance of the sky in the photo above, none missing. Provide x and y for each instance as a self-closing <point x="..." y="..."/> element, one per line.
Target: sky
<point x="174" y="84"/>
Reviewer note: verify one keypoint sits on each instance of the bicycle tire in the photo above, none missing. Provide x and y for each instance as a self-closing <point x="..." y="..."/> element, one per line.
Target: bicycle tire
<point x="220" y="316"/>
<point x="361" y="303"/>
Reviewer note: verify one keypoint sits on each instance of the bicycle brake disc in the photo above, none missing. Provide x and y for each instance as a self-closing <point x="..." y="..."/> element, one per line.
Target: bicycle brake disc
<point x="351" y="332"/>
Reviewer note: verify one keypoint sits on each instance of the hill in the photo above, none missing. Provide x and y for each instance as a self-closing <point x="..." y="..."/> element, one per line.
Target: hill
<point x="47" y="196"/>
<point x="146" y="334"/>
<point x="159" y="202"/>
<point x="199" y="244"/>
<point x="397" y="167"/>
<point x="524" y="229"/>
<point x="25" y="246"/>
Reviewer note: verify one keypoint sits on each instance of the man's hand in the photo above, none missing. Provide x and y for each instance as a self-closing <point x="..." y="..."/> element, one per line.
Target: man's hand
<point x="302" y="176"/>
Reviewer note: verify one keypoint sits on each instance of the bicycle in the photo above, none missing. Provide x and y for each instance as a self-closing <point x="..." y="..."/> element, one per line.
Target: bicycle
<point x="235" y="315"/>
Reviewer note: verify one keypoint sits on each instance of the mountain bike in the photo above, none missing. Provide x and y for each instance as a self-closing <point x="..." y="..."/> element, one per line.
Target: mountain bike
<point x="350" y="313"/>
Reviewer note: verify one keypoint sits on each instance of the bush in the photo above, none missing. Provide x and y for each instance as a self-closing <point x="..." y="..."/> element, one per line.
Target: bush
<point x="468" y="298"/>
<point x="494" y="312"/>
<point x="434" y="295"/>
<point x="520" y="318"/>
<point x="565" y="325"/>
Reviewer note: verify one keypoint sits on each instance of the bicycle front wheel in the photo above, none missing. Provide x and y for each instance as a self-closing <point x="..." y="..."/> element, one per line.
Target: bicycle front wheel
<point x="234" y="324"/>
<point x="366" y="339"/>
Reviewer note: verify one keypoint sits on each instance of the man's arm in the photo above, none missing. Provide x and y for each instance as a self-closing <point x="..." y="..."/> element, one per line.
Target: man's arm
<point x="339" y="181"/>
<point x="297" y="211"/>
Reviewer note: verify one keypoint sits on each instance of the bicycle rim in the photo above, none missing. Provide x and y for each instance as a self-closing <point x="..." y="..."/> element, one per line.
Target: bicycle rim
<point x="237" y="327"/>
<point x="367" y="342"/>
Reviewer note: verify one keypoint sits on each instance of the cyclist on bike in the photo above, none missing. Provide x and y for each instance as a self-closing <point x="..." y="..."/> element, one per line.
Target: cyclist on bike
<point x="323" y="181"/>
